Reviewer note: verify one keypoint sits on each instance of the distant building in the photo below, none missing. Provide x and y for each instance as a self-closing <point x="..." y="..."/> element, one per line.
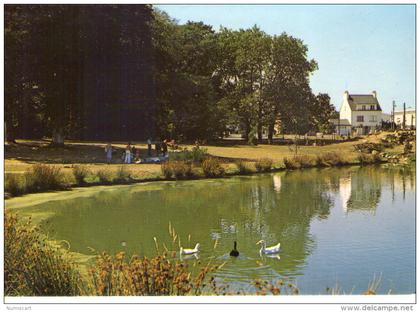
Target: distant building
<point x="359" y="114"/>
<point x="386" y="117"/>
<point x="410" y="117"/>
<point x="341" y="126"/>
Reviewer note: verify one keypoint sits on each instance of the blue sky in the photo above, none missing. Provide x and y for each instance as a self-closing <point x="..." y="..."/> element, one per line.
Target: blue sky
<point x="359" y="48"/>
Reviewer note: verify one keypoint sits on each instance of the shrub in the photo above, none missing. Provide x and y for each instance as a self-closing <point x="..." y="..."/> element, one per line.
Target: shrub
<point x="177" y="168"/>
<point x="297" y="162"/>
<point x="242" y="167"/>
<point x="331" y="159"/>
<point x="158" y="276"/>
<point x="188" y="170"/>
<point x="212" y="168"/>
<point x="15" y="184"/>
<point x="166" y="169"/>
<point x="105" y="176"/>
<point x="33" y="266"/>
<point x="196" y="154"/>
<point x="263" y="165"/>
<point x="80" y="173"/>
<point x="199" y="154"/>
<point x="365" y="159"/>
<point x="44" y="178"/>
<point x="123" y="175"/>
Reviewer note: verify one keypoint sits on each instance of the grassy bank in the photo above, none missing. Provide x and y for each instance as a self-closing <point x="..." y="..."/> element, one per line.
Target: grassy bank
<point x="42" y="178"/>
<point x="83" y="164"/>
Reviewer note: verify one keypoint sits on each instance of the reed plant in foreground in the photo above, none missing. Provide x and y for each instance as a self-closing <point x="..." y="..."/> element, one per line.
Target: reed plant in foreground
<point x="33" y="266"/>
<point x="157" y="276"/>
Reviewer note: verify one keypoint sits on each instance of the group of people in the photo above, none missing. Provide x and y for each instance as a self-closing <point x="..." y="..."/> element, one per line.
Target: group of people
<point x="132" y="154"/>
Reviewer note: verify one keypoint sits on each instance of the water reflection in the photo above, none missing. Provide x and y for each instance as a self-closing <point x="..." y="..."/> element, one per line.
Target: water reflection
<point x="283" y="207"/>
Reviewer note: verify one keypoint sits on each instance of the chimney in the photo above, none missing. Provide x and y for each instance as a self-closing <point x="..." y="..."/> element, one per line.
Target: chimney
<point x="374" y="94"/>
<point x="346" y="96"/>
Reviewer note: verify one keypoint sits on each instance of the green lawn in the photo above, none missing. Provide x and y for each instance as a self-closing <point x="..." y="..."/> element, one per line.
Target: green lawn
<point x="20" y="157"/>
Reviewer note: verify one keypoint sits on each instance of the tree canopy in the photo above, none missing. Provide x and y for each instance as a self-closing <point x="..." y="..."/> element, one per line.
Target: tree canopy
<point x="128" y="72"/>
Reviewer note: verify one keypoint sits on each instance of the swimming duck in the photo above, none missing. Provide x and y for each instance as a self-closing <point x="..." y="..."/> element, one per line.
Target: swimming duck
<point x="189" y="257"/>
<point x="234" y="252"/>
<point x="188" y="251"/>
<point x="268" y="250"/>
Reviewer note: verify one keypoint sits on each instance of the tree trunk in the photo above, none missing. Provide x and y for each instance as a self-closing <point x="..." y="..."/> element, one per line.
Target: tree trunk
<point x="9" y="133"/>
<point x="247" y="130"/>
<point x="57" y="137"/>
<point x="259" y="132"/>
<point x="270" y="132"/>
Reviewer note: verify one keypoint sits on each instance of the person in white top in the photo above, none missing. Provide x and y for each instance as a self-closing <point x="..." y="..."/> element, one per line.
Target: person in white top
<point x="108" y="151"/>
<point x="149" y="147"/>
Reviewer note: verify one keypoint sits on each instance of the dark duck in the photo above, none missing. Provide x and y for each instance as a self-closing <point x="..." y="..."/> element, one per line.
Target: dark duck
<point x="234" y="252"/>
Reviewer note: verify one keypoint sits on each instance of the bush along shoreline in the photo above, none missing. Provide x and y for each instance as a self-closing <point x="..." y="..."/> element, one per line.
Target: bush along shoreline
<point x="43" y="178"/>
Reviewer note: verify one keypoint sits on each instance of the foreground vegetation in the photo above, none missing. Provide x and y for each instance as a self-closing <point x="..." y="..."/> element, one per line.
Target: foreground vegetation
<point x="36" y="266"/>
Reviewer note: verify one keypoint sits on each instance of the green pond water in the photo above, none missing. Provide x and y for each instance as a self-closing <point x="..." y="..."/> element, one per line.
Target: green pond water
<point x="337" y="227"/>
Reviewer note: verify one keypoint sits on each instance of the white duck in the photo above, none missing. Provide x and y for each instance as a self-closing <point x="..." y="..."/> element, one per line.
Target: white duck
<point x="268" y="250"/>
<point x="188" y="251"/>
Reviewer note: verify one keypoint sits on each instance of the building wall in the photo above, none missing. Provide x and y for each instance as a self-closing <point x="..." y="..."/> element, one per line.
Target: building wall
<point x="367" y="115"/>
<point x="399" y="118"/>
<point x="345" y="110"/>
<point x="362" y="110"/>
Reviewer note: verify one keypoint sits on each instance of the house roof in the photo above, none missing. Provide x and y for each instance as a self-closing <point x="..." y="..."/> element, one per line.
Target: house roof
<point x="367" y="99"/>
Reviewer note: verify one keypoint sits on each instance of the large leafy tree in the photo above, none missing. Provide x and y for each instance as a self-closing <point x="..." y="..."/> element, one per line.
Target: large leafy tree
<point x="21" y="88"/>
<point x="244" y="58"/>
<point x="86" y="70"/>
<point x="96" y="72"/>
<point x="290" y="94"/>
<point x="185" y="59"/>
<point x="321" y="112"/>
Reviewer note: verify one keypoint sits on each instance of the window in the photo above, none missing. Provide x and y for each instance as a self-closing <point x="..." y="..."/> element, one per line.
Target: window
<point x="372" y="107"/>
<point x="360" y="119"/>
<point x="363" y="107"/>
<point x="372" y="118"/>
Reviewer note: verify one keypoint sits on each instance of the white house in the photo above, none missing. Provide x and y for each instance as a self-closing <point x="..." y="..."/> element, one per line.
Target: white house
<point x="410" y="117"/>
<point x="361" y="113"/>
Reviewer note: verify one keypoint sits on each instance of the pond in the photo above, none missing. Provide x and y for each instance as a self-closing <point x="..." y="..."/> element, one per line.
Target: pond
<point x="339" y="228"/>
